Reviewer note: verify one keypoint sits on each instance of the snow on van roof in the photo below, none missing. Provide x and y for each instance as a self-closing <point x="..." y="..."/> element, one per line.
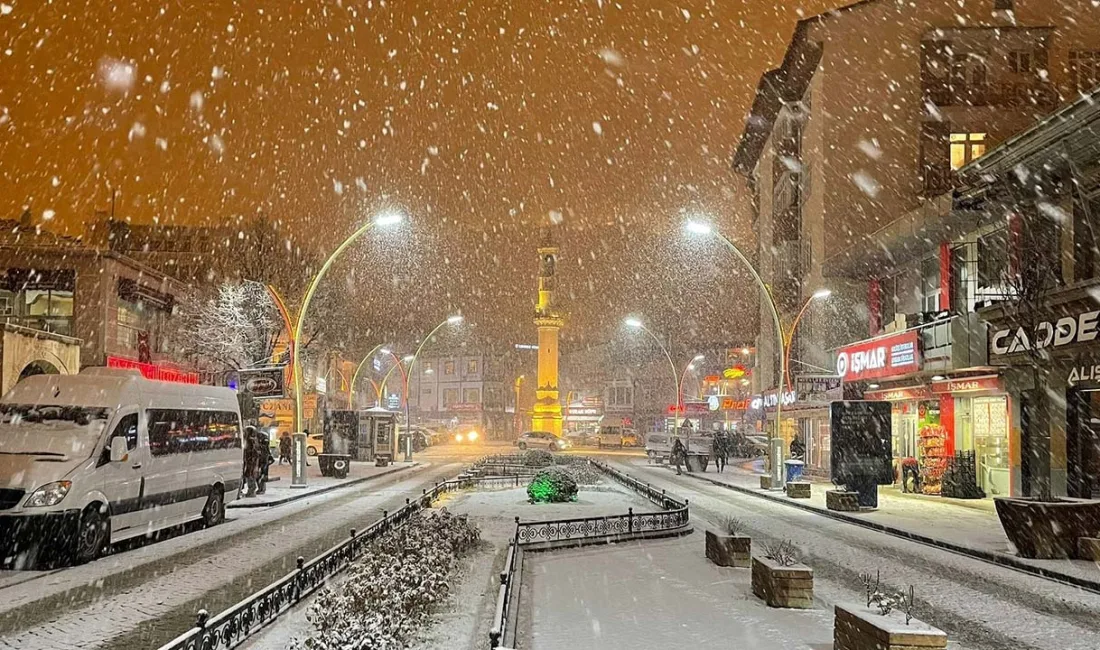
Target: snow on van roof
<point x="108" y="387"/>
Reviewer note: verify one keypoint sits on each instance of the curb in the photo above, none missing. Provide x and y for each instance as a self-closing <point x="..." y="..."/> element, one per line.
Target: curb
<point x="999" y="559"/>
<point x="237" y="503"/>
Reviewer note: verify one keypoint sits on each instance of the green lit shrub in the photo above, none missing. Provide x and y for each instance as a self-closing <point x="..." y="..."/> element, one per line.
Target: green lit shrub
<point x="552" y="485"/>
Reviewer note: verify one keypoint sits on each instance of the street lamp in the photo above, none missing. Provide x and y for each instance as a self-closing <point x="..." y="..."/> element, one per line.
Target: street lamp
<point x="517" y="417"/>
<point x="383" y="221"/>
<point x="700" y="228"/>
<point x="451" y="320"/>
<point x="683" y="375"/>
<point x="370" y="355"/>
<point x="820" y="294"/>
<point x="635" y="323"/>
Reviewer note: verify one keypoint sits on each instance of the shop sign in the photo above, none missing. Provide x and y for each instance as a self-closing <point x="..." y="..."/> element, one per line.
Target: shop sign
<point x="153" y="371"/>
<point x="694" y="408"/>
<point x="735" y="372"/>
<point x="886" y="356"/>
<point x="815" y="387"/>
<point x="321" y="385"/>
<point x="967" y="384"/>
<point x="711" y="379"/>
<point x="899" y="394"/>
<point x="1088" y="374"/>
<point x="770" y="399"/>
<point x="592" y="401"/>
<point x="1065" y="331"/>
<point x="727" y="403"/>
<point x="465" y="406"/>
<point x="262" y="382"/>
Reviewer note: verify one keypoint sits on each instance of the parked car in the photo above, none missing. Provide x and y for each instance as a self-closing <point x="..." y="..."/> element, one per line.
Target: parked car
<point x="610" y="436"/>
<point x="542" y="440"/>
<point x="92" y="459"/>
<point x="315" y="444"/>
<point x="630" y="438"/>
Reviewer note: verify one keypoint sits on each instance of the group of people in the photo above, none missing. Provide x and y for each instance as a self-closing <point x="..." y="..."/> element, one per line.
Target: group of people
<point x="722" y="447"/>
<point x="258" y="459"/>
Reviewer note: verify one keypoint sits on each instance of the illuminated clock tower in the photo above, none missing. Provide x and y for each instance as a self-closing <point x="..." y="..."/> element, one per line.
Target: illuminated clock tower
<point x="546" y="414"/>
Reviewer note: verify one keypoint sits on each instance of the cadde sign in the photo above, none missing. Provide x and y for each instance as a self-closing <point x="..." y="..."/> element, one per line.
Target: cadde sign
<point x="1065" y="331"/>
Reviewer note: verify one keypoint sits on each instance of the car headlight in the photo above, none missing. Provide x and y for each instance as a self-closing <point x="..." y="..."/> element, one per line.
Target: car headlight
<point x="472" y="436"/>
<point x="49" y="494"/>
<point x="458" y="437"/>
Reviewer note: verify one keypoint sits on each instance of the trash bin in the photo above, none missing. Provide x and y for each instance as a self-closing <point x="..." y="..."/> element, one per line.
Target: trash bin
<point x="794" y="470"/>
<point x="334" y="465"/>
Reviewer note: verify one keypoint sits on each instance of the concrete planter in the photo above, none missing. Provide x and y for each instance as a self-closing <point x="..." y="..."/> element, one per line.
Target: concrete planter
<point x="856" y="627"/>
<point x="1048" y="530"/>
<point x="1088" y="548"/>
<point x="798" y="490"/>
<point x="766" y="482"/>
<point x="734" y="551"/>
<point x="842" y="500"/>
<point x="783" y="586"/>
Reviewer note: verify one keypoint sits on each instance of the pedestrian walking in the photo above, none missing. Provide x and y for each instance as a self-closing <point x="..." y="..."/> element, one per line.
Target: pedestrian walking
<point x="264" y="443"/>
<point x="720" y="449"/>
<point x="251" y="470"/>
<point x="798" y="448"/>
<point x="679" y="455"/>
<point x="285" y="447"/>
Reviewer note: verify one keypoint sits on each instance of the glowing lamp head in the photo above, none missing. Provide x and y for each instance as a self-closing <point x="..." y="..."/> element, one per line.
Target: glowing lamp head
<point x="698" y="228"/>
<point x="633" y="322"/>
<point x="387" y="220"/>
<point x="407" y="358"/>
<point x="454" y="320"/>
<point x="698" y="357"/>
<point x="385" y="351"/>
<point x="822" y="294"/>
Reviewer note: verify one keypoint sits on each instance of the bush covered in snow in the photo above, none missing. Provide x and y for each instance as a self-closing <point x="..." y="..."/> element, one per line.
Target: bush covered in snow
<point x="538" y="458"/>
<point x="552" y="485"/>
<point x="583" y="473"/>
<point x="389" y="595"/>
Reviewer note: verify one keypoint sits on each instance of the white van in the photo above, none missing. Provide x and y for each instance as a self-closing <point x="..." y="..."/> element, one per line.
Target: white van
<point x="91" y="459"/>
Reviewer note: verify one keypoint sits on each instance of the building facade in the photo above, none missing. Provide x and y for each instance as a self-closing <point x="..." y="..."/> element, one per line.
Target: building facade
<point x="451" y="389"/>
<point x="852" y="149"/>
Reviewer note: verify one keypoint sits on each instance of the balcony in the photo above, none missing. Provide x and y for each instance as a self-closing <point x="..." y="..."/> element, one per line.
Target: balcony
<point x="62" y="325"/>
<point x="1009" y="94"/>
<point x="951" y="341"/>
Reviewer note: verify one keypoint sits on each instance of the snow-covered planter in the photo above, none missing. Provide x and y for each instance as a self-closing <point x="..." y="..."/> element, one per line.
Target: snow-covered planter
<point x="538" y="458"/>
<point x="857" y="627"/>
<point x="389" y="595"/>
<point x="552" y="485"/>
<point x="780" y="581"/>
<point x="729" y="546"/>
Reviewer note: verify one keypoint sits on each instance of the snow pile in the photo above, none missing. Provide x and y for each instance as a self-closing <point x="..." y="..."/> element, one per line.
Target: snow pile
<point x="583" y="473"/>
<point x="538" y="458"/>
<point x="389" y="595"/>
<point x="552" y="485"/>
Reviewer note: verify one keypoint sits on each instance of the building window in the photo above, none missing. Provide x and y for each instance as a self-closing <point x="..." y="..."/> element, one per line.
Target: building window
<point x="992" y="265"/>
<point x="450" y="396"/>
<point x="1021" y="61"/>
<point x="888" y="299"/>
<point x="930" y="284"/>
<point x="471" y="396"/>
<point x="619" y="396"/>
<point x="966" y="148"/>
<point x="449" y="368"/>
<point x="427" y="366"/>
<point x="492" y="397"/>
<point x="471" y="367"/>
<point x="1084" y="69"/>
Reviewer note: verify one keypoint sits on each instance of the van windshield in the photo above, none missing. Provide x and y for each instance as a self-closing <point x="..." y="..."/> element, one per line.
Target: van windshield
<point x="66" y="431"/>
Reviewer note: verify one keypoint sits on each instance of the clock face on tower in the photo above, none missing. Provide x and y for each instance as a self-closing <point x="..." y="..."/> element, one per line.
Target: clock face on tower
<point x="547" y="266"/>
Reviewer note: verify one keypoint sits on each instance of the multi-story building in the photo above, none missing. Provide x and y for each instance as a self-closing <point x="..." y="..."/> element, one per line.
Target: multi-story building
<point x="849" y="148"/>
<point x="113" y="308"/>
<point x="462" y="386"/>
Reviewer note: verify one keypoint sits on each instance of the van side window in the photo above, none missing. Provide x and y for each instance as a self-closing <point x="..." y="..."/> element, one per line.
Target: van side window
<point x="182" y="431"/>
<point x="127" y="427"/>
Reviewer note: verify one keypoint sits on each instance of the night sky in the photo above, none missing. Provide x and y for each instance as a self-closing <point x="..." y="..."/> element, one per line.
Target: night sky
<point x="479" y="120"/>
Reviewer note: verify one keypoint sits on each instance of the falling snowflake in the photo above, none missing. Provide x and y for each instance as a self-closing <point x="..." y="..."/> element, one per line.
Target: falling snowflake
<point x="598" y="128"/>
<point x="117" y="75"/>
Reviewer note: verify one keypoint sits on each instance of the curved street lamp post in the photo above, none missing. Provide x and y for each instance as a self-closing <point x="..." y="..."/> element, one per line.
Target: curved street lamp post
<point x="451" y="320"/>
<point x="775" y="449"/>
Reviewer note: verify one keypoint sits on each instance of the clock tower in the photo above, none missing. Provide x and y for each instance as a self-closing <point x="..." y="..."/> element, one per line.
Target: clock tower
<point x="546" y="414"/>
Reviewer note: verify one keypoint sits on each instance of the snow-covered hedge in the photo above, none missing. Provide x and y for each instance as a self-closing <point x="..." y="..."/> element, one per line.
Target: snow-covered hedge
<point x="389" y="595"/>
<point x="552" y="485"/>
<point x="538" y="458"/>
<point x="583" y="473"/>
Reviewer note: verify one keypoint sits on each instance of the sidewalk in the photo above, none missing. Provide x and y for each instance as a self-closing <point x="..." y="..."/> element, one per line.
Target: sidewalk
<point x="971" y="527"/>
<point x="279" y="490"/>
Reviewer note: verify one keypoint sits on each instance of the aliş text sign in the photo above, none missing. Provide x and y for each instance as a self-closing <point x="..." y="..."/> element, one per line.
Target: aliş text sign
<point x="886" y="356"/>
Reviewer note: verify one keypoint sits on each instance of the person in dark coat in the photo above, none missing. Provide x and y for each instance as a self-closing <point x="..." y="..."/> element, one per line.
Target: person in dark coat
<point x="264" y="442"/>
<point x="798" y="448"/>
<point x="721" y="449"/>
<point x="679" y="455"/>
<point x="252" y="461"/>
<point x="285" y="447"/>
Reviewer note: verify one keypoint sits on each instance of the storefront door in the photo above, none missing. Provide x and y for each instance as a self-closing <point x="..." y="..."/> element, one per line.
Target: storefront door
<point x="990" y="433"/>
<point x="1083" y="444"/>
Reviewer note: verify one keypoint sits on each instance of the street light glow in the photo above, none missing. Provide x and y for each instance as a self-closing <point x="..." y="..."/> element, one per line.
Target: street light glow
<point x="698" y="227"/>
<point x="822" y="294"/>
<point x="391" y="219"/>
<point x="453" y="320"/>
<point x="746" y="351"/>
<point x="698" y="357"/>
<point x="408" y="358"/>
<point x="633" y="322"/>
<point x="385" y="351"/>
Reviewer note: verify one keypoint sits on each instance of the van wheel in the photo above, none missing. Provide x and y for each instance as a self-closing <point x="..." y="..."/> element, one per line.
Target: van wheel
<point x="523" y="445"/>
<point x="311" y="451"/>
<point x="92" y="534"/>
<point x="213" y="513"/>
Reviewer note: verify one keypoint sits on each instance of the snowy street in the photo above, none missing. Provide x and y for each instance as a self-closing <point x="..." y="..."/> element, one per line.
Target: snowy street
<point x="978" y="604"/>
<point x="143" y="597"/>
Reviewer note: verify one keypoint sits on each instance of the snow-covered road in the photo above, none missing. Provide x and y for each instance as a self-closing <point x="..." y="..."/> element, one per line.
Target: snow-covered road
<point x="977" y="603"/>
<point x="143" y="597"/>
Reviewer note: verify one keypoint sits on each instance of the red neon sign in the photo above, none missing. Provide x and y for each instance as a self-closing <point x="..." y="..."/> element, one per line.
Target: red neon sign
<point x="153" y="371"/>
<point x="886" y="356"/>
